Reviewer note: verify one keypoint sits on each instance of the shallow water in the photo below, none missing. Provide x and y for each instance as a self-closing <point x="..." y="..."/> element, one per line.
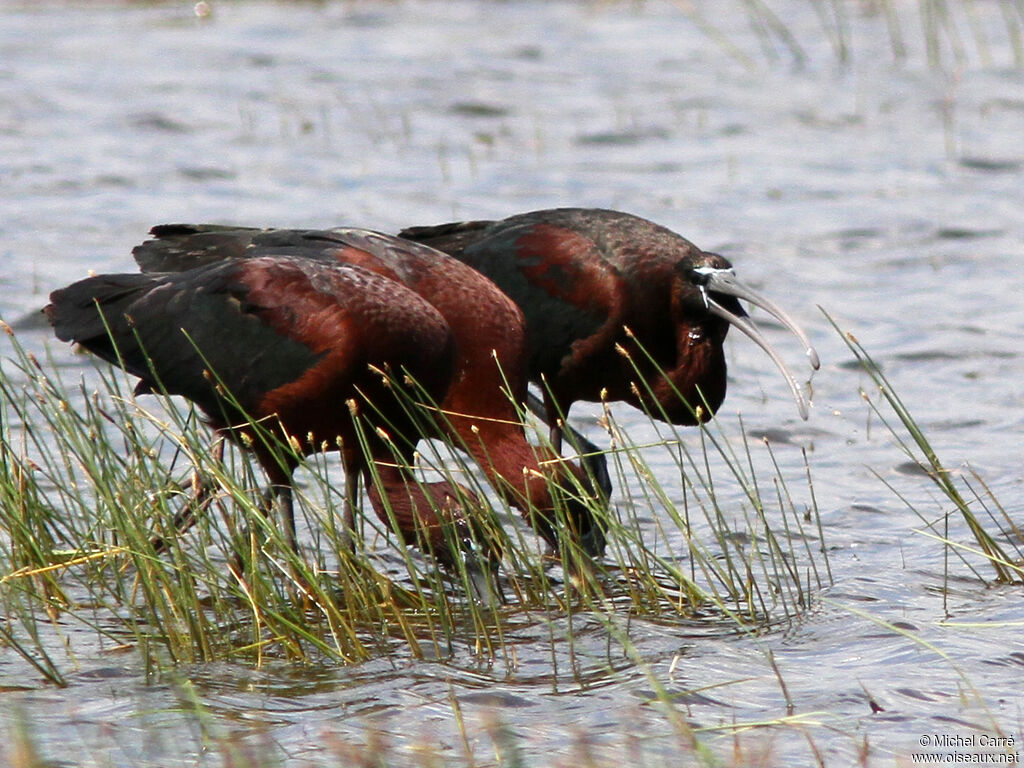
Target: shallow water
<point x="886" y="191"/>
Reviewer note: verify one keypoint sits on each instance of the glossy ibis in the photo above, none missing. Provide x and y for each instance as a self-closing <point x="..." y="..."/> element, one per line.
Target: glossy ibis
<point x="616" y="307"/>
<point x="300" y="346"/>
<point x="479" y="408"/>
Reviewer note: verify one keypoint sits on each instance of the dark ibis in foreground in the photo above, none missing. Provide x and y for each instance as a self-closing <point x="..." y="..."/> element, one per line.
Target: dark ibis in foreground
<point x="617" y="308"/>
<point x="479" y="409"/>
<point x="301" y="347"/>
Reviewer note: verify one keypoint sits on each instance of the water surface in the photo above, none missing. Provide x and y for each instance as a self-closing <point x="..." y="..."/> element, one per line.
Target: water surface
<point x="884" y="190"/>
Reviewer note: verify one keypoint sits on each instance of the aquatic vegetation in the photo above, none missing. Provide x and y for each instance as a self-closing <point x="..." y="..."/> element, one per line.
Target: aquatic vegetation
<point x="95" y="489"/>
<point x="92" y="478"/>
<point x="972" y="500"/>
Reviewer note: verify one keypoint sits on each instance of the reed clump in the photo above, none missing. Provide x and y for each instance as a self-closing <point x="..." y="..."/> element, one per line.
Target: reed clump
<point x="94" y="484"/>
<point x="967" y="492"/>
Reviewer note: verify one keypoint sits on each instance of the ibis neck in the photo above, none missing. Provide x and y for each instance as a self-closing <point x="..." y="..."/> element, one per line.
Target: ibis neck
<point x="415" y="509"/>
<point x="520" y="472"/>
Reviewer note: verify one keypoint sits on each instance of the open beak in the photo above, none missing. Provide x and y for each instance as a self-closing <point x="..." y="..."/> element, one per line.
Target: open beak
<point x="723" y="281"/>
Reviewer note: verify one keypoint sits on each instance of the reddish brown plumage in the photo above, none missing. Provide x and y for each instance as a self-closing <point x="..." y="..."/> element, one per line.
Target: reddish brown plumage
<point x="300" y="346"/>
<point x="490" y="374"/>
<point x="616" y="307"/>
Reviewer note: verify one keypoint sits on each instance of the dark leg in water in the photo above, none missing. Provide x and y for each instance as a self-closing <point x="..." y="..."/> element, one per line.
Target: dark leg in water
<point x="592" y="457"/>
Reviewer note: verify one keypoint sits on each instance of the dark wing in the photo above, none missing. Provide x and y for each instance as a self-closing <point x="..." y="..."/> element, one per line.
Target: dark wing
<point x="171" y="329"/>
<point x="451" y="238"/>
<point x="180" y="247"/>
<point x="568" y="293"/>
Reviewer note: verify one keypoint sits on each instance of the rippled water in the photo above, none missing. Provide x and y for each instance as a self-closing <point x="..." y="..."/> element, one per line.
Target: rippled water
<point x="884" y="190"/>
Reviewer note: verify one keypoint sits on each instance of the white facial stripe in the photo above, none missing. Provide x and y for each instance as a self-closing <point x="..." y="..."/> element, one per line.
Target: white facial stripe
<point x="708" y="271"/>
<point x="705" y="274"/>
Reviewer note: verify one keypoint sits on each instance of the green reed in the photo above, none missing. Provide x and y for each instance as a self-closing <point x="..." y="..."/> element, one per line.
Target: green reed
<point x="96" y="476"/>
<point x="752" y="569"/>
<point x="95" y="482"/>
<point x="965" y="496"/>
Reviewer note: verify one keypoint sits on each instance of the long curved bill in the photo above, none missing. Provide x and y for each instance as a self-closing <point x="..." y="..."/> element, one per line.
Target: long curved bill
<point x="724" y="281"/>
